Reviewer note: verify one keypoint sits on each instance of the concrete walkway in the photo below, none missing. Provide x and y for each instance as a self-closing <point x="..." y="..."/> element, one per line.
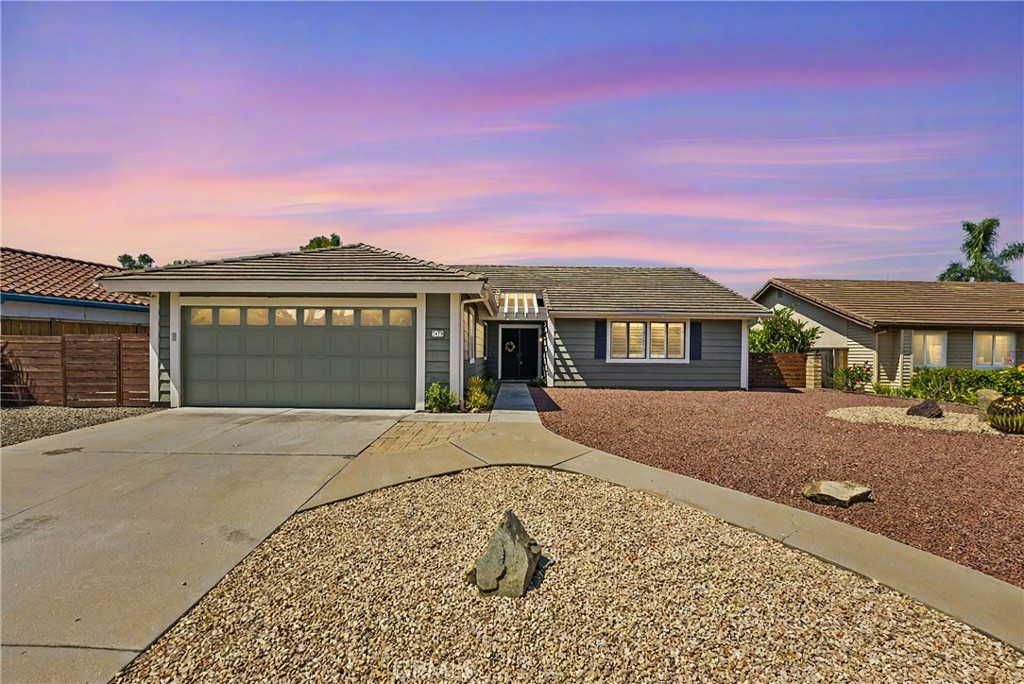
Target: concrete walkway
<point x="112" y="532"/>
<point x="987" y="604"/>
<point x="514" y="404"/>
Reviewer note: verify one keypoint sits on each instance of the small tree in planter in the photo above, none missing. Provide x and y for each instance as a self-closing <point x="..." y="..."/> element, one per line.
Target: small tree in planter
<point x="782" y="334"/>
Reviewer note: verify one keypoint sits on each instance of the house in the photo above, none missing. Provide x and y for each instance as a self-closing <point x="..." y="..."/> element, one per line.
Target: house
<point x="899" y="326"/>
<point x="45" y="294"/>
<point x="359" y="326"/>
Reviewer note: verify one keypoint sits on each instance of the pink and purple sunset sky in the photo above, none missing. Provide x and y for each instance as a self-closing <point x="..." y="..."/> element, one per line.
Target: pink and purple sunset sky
<point x="745" y="140"/>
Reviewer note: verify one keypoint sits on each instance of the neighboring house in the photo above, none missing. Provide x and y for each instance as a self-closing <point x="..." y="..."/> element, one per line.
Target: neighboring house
<point x="45" y="294"/>
<point x="359" y="326"/>
<point x="898" y="326"/>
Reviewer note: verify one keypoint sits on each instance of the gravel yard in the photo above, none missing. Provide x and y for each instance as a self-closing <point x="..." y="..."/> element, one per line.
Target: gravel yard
<point x="959" y="495"/>
<point x="22" y="423"/>
<point x="372" y="589"/>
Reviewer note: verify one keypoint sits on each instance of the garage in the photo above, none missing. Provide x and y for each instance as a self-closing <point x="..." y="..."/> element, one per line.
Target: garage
<point x="296" y="356"/>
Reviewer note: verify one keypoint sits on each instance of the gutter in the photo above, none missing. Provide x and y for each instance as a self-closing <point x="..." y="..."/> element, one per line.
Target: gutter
<point x="66" y="301"/>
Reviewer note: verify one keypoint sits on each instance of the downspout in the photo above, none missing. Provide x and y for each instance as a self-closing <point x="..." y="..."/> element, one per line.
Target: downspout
<point x="462" y="361"/>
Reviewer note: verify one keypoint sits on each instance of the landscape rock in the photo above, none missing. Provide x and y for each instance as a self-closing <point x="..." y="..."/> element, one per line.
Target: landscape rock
<point x="986" y="397"/>
<point x="833" y="493"/>
<point x="928" y="408"/>
<point x="507" y="566"/>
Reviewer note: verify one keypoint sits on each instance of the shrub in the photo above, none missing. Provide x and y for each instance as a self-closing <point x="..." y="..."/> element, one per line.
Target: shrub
<point x="958" y="385"/>
<point x="1010" y="382"/>
<point x="782" y="334"/>
<point x="852" y="377"/>
<point x="440" y="399"/>
<point x="477" y="397"/>
<point x="539" y="381"/>
<point x="1006" y="414"/>
<point x="882" y="390"/>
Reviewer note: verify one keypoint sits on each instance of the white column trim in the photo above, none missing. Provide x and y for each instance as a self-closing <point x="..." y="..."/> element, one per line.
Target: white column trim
<point x="154" y="346"/>
<point x="421" y="350"/>
<point x="549" y="352"/>
<point x="175" y="369"/>
<point x="744" y="355"/>
<point x="455" y="345"/>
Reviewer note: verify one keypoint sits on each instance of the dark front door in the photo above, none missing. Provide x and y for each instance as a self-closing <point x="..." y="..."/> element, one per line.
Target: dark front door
<point x="519" y="353"/>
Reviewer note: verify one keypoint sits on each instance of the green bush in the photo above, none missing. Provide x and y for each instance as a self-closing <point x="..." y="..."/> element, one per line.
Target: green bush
<point x="1006" y="414"/>
<point x="782" y="334"/>
<point x="477" y="397"/>
<point x="491" y="387"/>
<point x="440" y="399"/>
<point x="882" y="390"/>
<point x="852" y="377"/>
<point x="958" y="385"/>
<point x="1010" y="382"/>
<point x="539" y="381"/>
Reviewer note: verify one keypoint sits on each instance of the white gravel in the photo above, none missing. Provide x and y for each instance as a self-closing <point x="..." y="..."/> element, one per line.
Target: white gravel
<point x="952" y="422"/>
<point x="372" y="589"/>
<point x="22" y="423"/>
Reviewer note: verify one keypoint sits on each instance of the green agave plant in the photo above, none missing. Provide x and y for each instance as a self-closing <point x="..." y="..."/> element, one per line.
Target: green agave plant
<point x="1006" y="414"/>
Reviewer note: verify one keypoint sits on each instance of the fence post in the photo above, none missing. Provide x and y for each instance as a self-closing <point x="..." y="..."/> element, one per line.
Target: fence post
<point x="813" y="379"/>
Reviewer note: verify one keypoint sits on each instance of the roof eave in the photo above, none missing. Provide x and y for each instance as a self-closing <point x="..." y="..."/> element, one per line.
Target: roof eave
<point x="151" y="284"/>
<point x="844" y="313"/>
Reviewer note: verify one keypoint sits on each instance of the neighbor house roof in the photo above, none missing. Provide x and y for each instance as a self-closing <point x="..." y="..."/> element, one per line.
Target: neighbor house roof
<point x="880" y="303"/>
<point x="354" y="262"/>
<point x="580" y="290"/>
<point x="32" y="274"/>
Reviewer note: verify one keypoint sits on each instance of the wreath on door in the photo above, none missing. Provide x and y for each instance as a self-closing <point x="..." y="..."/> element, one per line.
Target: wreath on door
<point x="510" y="346"/>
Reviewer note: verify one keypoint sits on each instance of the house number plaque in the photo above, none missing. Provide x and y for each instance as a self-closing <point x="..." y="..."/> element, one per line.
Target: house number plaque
<point x="437" y="333"/>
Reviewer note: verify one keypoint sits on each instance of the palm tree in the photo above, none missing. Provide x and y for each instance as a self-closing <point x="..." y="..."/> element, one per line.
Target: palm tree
<point x="983" y="263"/>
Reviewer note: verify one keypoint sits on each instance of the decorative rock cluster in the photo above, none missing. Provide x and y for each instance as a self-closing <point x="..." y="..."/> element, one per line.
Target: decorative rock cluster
<point x="832" y="493"/>
<point x="928" y="408"/>
<point x="507" y="566"/>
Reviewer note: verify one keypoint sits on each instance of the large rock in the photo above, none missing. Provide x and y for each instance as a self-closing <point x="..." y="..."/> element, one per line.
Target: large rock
<point x="928" y="408"/>
<point x="834" y="493"/>
<point x="986" y="397"/>
<point x="509" y="562"/>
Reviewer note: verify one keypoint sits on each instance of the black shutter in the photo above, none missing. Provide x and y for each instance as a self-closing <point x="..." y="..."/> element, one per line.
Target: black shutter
<point x="600" y="338"/>
<point x="695" y="340"/>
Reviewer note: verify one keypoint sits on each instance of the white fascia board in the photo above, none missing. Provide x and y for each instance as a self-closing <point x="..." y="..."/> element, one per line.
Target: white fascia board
<point x="658" y="315"/>
<point x="292" y="286"/>
<point x="154" y="348"/>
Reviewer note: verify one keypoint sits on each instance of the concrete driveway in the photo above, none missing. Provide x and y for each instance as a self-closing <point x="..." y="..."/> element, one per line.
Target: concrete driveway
<point x="112" y="532"/>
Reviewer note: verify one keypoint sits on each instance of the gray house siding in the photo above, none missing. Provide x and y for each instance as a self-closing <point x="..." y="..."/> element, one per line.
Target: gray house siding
<point x="491" y="363"/>
<point x="833" y="327"/>
<point x="438" y="316"/>
<point x="164" y="350"/>
<point x="718" y="367"/>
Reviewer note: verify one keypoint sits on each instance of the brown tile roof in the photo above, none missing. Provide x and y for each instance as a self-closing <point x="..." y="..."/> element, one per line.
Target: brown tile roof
<point x="48" y="275"/>
<point x="620" y="290"/>
<point x="878" y="303"/>
<point x="354" y="262"/>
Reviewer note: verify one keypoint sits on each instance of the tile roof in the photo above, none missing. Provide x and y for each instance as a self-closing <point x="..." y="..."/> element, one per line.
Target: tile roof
<point x="906" y="302"/>
<point x="48" y="275"/>
<point x="620" y="289"/>
<point x="354" y="262"/>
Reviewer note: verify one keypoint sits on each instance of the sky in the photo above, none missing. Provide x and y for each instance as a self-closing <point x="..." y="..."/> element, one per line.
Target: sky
<point x="748" y="141"/>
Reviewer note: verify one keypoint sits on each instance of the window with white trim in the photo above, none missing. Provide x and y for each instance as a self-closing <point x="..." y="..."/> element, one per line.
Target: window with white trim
<point x="929" y="349"/>
<point x="647" y="341"/>
<point x="480" y="341"/>
<point x="994" y="349"/>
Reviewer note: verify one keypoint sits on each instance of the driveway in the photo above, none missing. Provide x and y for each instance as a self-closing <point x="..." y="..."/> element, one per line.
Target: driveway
<point x="111" y="533"/>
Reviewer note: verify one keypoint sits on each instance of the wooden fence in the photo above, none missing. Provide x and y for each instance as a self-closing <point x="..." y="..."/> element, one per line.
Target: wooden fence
<point x="75" y="370"/>
<point x="57" y="326"/>
<point x="778" y="371"/>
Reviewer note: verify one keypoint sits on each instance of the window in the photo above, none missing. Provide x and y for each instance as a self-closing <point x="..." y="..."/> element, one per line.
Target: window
<point x="286" y="317"/>
<point x="467" y="334"/>
<point x="371" y="317"/>
<point x="202" y="317"/>
<point x="314" y="317"/>
<point x="401" y="318"/>
<point x="648" y="341"/>
<point x="994" y="350"/>
<point x="481" y="345"/>
<point x="229" y="316"/>
<point x="257" y="316"/>
<point x="929" y="349"/>
<point x="343" y="316"/>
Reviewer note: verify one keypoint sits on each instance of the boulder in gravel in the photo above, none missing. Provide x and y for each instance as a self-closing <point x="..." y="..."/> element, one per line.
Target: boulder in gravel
<point x="833" y="493"/>
<point x="508" y="564"/>
<point x="986" y="397"/>
<point x="928" y="408"/>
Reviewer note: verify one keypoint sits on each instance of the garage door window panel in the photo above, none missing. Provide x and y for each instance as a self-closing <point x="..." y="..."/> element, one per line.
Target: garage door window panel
<point x="343" y="317"/>
<point x="201" y="316"/>
<point x="400" y="318"/>
<point x="314" y="317"/>
<point x="371" y="318"/>
<point x="257" y="316"/>
<point x="286" y="317"/>
<point x="229" y="316"/>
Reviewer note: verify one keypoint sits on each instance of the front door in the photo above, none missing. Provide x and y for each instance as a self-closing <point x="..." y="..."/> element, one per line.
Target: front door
<point x="519" y="353"/>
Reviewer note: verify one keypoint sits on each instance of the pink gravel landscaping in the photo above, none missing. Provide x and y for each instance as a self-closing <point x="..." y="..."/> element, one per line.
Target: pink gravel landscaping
<point x="958" y="495"/>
